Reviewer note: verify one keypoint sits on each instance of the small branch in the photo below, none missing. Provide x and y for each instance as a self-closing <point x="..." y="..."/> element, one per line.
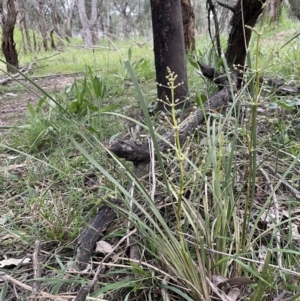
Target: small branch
<point x="277" y="219"/>
<point x="226" y="5"/>
<point x="31" y="289"/>
<point x="85" y="290"/>
<point x="211" y="73"/>
<point x="36" y="267"/>
<point x="293" y="191"/>
<point x="164" y="291"/>
<point x="17" y="75"/>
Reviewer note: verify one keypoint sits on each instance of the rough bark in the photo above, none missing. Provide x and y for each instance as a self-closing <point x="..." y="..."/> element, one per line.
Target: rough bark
<point x="137" y="151"/>
<point x="42" y="24"/>
<point x="125" y="19"/>
<point x="169" y="50"/>
<point x="8" y="23"/>
<point x="188" y="19"/>
<point x="91" y="235"/>
<point x="245" y="12"/>
<point x="89" y="30"/>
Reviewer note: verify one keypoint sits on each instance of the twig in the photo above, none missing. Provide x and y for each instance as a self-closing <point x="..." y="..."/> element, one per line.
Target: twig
<point x="295" y="192"/>
<point x="84" y="291"/>
<point x="17" y="75"/>
<point x="231" y="8"/>
<point x="48" y="57"/>
<point x="36" y="267"/>
<point x="276" y="210"/>
<point x="164" y="291"/>
<point x="30" y="289"/>
<point x="152" y="169"/>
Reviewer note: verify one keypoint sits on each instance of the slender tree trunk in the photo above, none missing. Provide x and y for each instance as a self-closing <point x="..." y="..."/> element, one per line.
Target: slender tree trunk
<point x="23" y="23"/>
<point x="188" y="19"/>
<point x="274" y="10"/>
<point x="8" y="25"/>
<point x="55" y="23"/>
<point x="43" y="26"/>
<point x="125" y="19"/>
<point x="169" y="50"/>
<point x="68" y="23"/>
<point x="89" y="26"/>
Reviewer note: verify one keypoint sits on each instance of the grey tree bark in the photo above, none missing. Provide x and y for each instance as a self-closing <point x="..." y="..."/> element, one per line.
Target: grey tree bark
<point x="89" y="30"/>
<point x="274" y="10"/>
<point x="55" y="22"/>
<point x="68" y="21"/>
<point x="8" y="22"/>
<point x="43" y="25"/>
<point x="24" y="25"/>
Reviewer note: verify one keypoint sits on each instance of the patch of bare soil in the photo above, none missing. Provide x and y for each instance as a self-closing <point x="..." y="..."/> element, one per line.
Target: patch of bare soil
<point x="14" y="96"/>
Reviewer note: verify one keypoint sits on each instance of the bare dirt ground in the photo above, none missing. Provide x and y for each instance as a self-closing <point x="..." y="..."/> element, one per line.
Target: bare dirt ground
<point x="14" y="96"/>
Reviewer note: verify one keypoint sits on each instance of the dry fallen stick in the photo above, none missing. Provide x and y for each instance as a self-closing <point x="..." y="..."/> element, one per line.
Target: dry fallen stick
<point x="292" y="190"/>
<point x="41" y="294"/>
<point x="36" y="267"/>
<point x="17" y="75"/>
<point x="31" y="289"/>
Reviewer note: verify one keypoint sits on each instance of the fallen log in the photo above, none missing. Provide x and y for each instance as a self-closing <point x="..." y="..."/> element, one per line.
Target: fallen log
<point x="92" y="233"/>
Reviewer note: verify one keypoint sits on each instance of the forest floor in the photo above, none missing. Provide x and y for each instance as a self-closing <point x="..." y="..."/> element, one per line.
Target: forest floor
<point x="49" y="191"/>
<point x="15" y="96"/>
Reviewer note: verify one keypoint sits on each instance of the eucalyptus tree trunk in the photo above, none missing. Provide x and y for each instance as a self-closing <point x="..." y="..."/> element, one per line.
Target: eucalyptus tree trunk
<point x="89" y="25"/>
<point x="42" y="25"/>
<point x="188" y="19"/>
<point x="125" y="19"/>
<point x="55" y="23"/>
<point x="68" y="22"/>
<point x="275" y="9"/>
<point x="23" y="24"/>
<point x="169" y="50"/>
<point x="8" y="22"/>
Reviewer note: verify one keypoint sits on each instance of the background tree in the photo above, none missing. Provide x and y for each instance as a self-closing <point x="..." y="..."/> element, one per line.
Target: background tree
<point x="42" y="24"/>
<point x="26" y="40"/>
<point x="126" y="10"/>
<point x="188" y="19"/>
<point x="274" y="10"/>
<point x="55" y="22"/>
<point x="8" y="22"/>
<point x="295" y="8"/>
<point x="169" y="50"/>
<point x="68" y="10"/>
<point x="89" y="25"/>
